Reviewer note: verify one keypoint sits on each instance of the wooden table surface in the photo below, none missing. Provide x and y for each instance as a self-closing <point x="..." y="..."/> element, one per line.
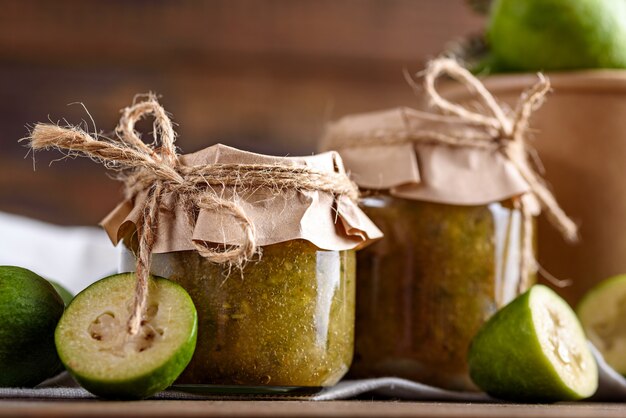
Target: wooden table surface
<point x="162" y="408"/>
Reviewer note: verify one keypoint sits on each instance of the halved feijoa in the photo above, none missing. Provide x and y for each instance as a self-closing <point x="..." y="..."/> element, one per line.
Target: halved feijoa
<point x="94" y="344"/>
<point x="602" y="311"/>
<point x="534" y="350"/>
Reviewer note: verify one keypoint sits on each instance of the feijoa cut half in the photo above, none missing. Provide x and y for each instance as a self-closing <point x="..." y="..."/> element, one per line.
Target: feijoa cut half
<point x="602" y="311"/>
<point x="94" y="344"/>
<point x="534" y="350"/>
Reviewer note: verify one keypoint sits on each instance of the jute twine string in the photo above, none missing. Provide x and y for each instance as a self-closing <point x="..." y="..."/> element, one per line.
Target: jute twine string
<point x="500" y="131"/>
<point x="158" y="170"/>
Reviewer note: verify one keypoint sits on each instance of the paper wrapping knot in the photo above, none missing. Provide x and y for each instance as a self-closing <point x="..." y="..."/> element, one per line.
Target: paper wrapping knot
<point x="456" y="156"/>
<point x="221" y="202"/>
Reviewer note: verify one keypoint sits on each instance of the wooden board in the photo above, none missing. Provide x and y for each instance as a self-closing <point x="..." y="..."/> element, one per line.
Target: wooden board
<point x="49" y="409"/>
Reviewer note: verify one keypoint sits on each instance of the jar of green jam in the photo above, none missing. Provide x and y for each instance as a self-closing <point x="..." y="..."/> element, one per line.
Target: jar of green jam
<point x="425" y="289"/>
<point x="454" y="221"/>
<point x="285" y="318"/>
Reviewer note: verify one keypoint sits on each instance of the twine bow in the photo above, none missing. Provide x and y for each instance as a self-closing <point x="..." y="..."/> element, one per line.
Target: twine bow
<point x="498" y="130"/>
<point x="158" y="170"/>
<point x="509" y="130"/>
<point x="509" y="135"/>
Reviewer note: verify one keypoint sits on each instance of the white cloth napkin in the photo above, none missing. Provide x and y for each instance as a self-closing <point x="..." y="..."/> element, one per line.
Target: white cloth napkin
<point x="612" y="385"/>
<point x="75" y="257"/>
<point x="62" y="387"/>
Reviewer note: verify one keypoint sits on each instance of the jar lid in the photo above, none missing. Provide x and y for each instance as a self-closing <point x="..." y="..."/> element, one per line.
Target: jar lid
<point x="422" y="170"/>
<point x="328" y="220"/>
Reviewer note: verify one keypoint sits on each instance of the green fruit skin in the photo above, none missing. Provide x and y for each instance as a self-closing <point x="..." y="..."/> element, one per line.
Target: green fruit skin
<point x="65" y="294"/>
<point x="142" y="386"/>
<point x="508" y="363"/>
<point x="29" y="311"/>
<point x="535" y="35"/>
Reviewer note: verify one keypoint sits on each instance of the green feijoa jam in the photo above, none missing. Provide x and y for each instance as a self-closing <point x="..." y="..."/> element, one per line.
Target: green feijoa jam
<point x="426" y="288"/>
<point x="284" y="320"/>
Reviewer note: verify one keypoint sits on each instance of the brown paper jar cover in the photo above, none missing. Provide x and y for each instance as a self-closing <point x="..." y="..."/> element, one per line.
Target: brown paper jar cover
<point x="452" y="249"/>
<point x="327" y="221"/>
<point x="419" y="170"/>
<point x="580" y="134"/>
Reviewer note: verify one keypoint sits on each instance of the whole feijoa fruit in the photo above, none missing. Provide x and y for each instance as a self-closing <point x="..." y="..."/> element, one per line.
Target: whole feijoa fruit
<point x="65" y="294"/>
<point x="30" y="309"/>
<point x="550" y="35"/>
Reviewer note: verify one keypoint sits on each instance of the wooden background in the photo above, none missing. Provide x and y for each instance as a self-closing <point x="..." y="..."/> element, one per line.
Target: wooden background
<point x="263" y="75"/>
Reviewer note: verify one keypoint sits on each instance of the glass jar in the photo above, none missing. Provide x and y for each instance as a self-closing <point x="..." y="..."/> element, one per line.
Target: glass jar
<point x="286" y="320"/>
<point x="425" y="289"/>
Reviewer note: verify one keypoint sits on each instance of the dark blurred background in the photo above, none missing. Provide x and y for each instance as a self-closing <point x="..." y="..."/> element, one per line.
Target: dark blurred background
<point x="261" y="75"/>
